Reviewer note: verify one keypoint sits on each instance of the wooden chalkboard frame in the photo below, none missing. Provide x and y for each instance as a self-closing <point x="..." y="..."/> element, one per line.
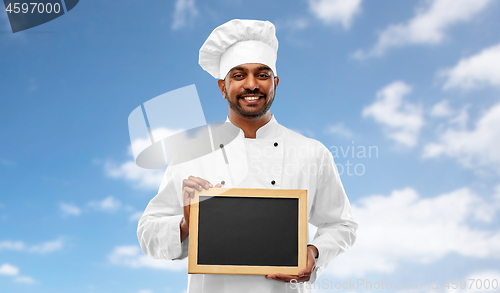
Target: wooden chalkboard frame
<point x="195" y="268"/>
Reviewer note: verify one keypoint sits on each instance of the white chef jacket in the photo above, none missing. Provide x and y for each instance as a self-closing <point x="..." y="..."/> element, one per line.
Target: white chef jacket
<point x="277" y="158"/>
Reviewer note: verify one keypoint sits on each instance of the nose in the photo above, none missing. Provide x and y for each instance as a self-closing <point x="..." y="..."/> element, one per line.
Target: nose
<point x="251" y="83"/>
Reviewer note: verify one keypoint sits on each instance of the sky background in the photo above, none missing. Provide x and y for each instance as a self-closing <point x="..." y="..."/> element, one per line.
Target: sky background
<point x="416" y="81"/>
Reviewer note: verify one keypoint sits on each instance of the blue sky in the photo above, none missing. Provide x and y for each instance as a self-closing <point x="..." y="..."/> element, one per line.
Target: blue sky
<point x="418" y="81"/>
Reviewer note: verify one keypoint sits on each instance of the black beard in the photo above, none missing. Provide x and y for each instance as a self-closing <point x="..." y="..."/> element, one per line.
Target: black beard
<point x="251" y="115"/>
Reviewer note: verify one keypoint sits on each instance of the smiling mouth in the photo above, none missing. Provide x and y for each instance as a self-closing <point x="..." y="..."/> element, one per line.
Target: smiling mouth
<point x="252" y="98"/>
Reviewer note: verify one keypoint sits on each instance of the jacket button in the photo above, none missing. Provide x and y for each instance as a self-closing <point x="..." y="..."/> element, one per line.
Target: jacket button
<point x="223" y="182"/>
<point x="275" y="144"/>
<point x="221" y="145"/>
<point x="273" y="182"/>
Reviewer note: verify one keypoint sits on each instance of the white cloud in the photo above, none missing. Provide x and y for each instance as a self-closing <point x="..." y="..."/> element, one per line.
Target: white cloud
<point x="185" y="11"/>
<point x="476" y="71"/>
<point x="132" y="257"/>
<point x="159" y="133"/>
<point x="472" y="148"/>
<point x="339" y="129"/>
<point x="109" y="204"/>
<point x="9" y="270"/>
<point x="141" y="178"/>
<point x="12" y="245"/>
<point x="148" y="179"/>
<point x="69" y="210"/>
<point x="48" y="246"/>
<point x="428" y="26"/>
<point x="441" y="109"/>
<point x="44" y="247"/>
<point x="335" y="11"/>
<point x="400" y="119"/>
<point x="24" y="279"/>
<point x="404" y="227"/>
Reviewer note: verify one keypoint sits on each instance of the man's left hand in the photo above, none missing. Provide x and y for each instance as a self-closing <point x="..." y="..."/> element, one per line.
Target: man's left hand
<point x="305" y="274"/>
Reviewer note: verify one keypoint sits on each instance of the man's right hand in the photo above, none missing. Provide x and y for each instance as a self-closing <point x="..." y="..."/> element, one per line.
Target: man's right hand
<point x="189" y="186"/>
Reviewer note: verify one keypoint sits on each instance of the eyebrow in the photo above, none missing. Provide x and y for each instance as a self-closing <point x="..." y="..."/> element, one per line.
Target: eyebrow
<point x="238" y="68"/>
<point x="263" y="68"/>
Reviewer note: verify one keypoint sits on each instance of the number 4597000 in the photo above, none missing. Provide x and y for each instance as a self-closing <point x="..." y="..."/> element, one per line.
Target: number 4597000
<point x="33" y="8"/>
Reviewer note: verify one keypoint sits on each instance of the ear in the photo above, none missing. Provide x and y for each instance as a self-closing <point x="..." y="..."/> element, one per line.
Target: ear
<point x="222" y="87"/>
<point x="276" y="81"/>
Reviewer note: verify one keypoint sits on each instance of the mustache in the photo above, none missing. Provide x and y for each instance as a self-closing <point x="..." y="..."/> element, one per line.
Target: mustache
<point x="255" y="92"/>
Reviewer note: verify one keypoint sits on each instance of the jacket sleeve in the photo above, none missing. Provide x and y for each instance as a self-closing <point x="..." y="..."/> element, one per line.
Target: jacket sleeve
<point x="159" y="227"/>
<point x="331" y="213"/>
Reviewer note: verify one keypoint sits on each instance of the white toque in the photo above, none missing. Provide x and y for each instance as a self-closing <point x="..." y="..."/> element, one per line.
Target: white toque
<point x="237" y="42"/>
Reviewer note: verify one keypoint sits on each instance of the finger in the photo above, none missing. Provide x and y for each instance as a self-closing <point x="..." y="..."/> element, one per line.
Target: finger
<point x="192" y="183"/>
<point x="188" y="191"/>
<point x="218" y="185"/>
<point x="283" y="276"/>
<point x="275" y="277"/>
<point x="289" y="278"/>
<point x="202" y="182"/>
<point x="196" y="182"/>
<point x="187" y="194"/>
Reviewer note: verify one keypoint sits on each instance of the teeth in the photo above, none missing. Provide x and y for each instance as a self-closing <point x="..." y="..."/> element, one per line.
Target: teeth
<point x="251" y="98"/>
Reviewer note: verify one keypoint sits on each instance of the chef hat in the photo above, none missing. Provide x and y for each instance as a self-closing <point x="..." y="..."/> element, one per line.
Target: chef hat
<point x="236" y="42"/>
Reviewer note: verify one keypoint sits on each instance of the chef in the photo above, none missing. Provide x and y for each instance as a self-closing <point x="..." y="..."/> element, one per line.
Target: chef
<point x="241" y="55"/>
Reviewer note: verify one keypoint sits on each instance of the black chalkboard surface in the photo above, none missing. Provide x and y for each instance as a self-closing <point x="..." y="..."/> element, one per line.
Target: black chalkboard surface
<point x="248" y="231"/>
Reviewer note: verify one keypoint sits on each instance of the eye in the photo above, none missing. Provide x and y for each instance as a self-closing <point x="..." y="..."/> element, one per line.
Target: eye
<point x="263" y="75"/>
<point x="238" y="75"/>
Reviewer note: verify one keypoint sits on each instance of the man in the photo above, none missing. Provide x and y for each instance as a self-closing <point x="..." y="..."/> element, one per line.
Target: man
<point x="242" y="55"/>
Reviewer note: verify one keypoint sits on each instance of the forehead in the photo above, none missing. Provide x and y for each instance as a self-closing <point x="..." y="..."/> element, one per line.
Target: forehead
<point x="250" y="67"/>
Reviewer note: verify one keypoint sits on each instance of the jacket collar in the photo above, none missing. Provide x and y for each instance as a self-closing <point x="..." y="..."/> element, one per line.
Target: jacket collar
<point x="268" y="130"/>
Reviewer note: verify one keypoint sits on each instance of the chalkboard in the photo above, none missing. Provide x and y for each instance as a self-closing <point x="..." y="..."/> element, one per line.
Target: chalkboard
<point x="248" y="231"/>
